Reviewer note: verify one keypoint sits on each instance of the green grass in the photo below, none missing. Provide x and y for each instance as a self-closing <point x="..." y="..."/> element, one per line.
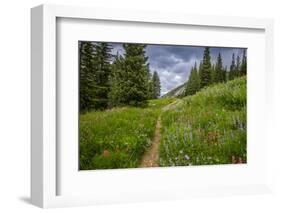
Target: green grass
<point x="117" y="138"/>
<point x="159" y="103"/>
<point x="206" y="128"/>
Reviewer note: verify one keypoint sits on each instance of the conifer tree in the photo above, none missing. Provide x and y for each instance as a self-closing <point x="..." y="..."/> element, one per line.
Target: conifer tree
<point x="130" y="77"/>
<point x="117" y="85"/>
<point x="232" y="68"/>
<point x="200" y="72"/>
<point x="213" y="73"/>
<point x="94" y="73"/>
<point x="150" y="87"/>
<point x="219" y="72"/>
<point x="237" y="66"/>
<point x="193" y="83"/>
<point x="86" y="76"/>
<point x="224" y="74"/>
<point x="206" y="77"/>
<point x="101" y="59"/>
<point x="156" y="85"/>
<point x="243" y="69"/>
<point x="137" y="74"/>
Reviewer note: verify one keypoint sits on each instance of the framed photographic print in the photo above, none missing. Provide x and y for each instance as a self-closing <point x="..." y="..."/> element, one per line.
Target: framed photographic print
<point x="129" y="106"/>
<point x="149" y="105"/>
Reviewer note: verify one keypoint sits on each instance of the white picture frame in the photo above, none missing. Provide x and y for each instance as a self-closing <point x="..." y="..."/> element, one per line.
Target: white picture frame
<point x="44" y="153"/>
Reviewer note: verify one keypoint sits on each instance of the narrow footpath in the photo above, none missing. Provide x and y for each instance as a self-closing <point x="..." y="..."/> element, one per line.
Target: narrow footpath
<point x="151" y="156"/>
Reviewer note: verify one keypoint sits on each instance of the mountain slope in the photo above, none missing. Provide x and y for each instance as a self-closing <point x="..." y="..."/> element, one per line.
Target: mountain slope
<point x="176" y="92"/>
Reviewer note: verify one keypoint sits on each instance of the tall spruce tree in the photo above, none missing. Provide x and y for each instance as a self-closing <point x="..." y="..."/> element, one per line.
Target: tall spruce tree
<point x="205" y="75"/>
<point x="224" y="74"/>
<point x="232" y="68"/>
<point x="243" y="69"/>
<point x="193" y="83"/>
<point x="200" y="72"/>
<point x="156" y="86"/>
<point x="130" y="77"/>
<point x="137" y="73"/>
<point x="237" y="66"/>
<point x="219" y="72"/>
<point x="86" y="76"/>
<point x="117" y="78"/>
<point x="213" y="73"/>
<point x="94" y="73"/>
<point x="101" y="59"/>
<point x="150" y="86"/>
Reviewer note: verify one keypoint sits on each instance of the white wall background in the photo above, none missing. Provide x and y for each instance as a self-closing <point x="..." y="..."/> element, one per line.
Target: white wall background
<point x="15" y="104"/>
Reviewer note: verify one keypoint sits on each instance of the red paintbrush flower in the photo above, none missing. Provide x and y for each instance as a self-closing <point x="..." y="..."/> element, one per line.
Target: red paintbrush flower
<point x="105" y="153"/>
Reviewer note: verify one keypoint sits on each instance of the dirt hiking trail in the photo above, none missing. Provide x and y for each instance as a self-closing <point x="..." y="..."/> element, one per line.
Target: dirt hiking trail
<point x="151" y="156"/>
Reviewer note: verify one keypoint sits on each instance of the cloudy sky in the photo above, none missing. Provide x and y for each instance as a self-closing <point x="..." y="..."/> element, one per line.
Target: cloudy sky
<point x="173" y="63"/>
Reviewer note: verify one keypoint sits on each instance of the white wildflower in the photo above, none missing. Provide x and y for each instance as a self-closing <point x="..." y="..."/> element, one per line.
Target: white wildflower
<point x="186" y="157"/>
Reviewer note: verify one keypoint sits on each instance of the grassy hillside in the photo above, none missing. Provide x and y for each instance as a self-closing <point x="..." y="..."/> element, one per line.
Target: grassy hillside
<point x="117" y="138"/>
<point x="206" y="128"/>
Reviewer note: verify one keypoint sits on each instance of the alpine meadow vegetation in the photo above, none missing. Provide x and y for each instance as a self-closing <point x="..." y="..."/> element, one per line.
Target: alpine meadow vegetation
<point x="118" y="137"/>
<point x="207" y="128"/>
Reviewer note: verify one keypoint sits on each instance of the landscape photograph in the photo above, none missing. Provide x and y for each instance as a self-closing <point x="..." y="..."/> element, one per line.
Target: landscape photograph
<point x="151" y="105"/>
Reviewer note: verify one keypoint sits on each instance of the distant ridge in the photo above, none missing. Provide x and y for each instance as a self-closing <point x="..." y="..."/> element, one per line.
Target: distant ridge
<point x="176" y="92"/>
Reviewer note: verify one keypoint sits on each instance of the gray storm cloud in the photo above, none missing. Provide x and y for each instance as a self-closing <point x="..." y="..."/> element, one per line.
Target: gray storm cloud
<point x="173" y="63"/>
